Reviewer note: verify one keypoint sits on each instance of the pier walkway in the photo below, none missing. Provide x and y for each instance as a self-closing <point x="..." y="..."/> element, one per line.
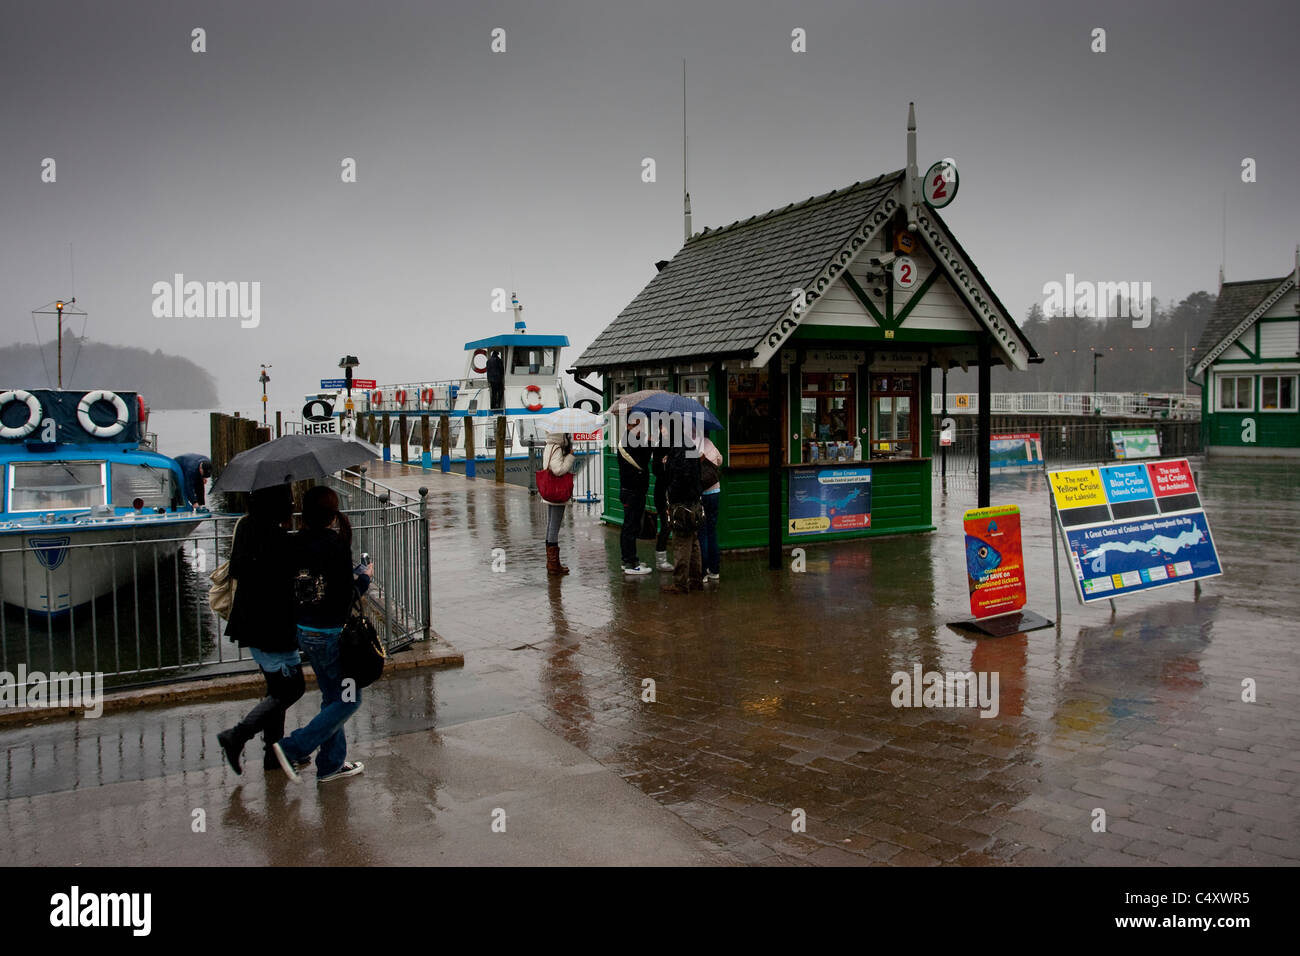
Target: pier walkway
<point x="772" y="695"/>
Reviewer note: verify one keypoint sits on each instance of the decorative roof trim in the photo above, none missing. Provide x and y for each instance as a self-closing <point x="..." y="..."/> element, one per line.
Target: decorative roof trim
<point x="961" y="275"/>
<point x="1252" y="317"/>
<point x="789" y="321"/>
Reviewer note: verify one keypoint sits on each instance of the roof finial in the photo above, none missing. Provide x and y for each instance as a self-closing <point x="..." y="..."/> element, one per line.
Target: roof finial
<point x="913" y="178"/>
<point x="686" y="193"/>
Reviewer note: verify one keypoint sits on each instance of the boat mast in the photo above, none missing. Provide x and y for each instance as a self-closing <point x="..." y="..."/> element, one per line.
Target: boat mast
<point x="57" y="308"/>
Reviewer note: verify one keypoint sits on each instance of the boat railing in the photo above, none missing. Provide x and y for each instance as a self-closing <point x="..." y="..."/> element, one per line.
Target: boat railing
<point x="1113" y="404"/>
<point x="415" y="397"/>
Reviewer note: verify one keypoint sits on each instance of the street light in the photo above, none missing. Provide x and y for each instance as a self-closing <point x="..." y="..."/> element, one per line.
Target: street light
<point x="348" y="363"/>
<point x="264" y="378"/>
<point x="1095" y="356"/>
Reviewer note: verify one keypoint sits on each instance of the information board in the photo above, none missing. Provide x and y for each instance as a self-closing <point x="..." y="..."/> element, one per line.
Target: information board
<point x="1133" y="527"/>
<point x="1020" y="450"/>
<point x="829" y="500"/>
<point x="995" y="565"/>
<point x="1135" y="443"/>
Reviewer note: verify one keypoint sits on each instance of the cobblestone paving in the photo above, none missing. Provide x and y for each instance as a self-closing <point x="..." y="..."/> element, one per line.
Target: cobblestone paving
<point x="773" y="690"/>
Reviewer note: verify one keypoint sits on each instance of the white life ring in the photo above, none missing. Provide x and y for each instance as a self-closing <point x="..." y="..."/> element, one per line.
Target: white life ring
<point x="537" y="405"/>
<point x="102" y="431"/>
<point x="34" y="412"/>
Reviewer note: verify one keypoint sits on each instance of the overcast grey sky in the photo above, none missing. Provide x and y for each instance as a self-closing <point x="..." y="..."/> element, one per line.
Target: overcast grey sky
<point x="522" y="169"/>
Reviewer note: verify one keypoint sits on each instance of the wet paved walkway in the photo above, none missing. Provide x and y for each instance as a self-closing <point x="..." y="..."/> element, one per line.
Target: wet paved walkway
<point x="773" y="692"/>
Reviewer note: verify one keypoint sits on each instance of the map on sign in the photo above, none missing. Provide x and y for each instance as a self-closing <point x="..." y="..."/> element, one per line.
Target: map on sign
<point x="1135" y="443"/>
<point x="1132" y="528"/>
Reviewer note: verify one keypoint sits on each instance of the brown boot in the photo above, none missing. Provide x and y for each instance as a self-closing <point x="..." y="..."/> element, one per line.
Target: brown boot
<point x="553" y="565"/>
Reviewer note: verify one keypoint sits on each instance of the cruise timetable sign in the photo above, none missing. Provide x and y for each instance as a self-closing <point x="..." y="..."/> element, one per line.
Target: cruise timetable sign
<point x="1133" y="527"/>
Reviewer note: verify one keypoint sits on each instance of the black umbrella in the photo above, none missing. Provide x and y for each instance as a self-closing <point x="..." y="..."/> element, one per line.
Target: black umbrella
<point x="291" y="458"/>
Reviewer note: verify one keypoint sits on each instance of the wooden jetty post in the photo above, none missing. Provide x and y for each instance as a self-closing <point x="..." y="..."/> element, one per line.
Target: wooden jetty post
<point x="404" y="436"/>
<point x="444" y="439"/>
<point x="278" y="430"/>
<point x="501" y="449"/>
<point x="469" y="446"/>
<point x="388" y="450"/>
<point x="426" y="449"/>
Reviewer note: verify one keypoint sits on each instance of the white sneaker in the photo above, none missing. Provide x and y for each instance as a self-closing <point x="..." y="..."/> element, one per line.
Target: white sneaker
<point x="713" y="576"/>
<point x="349" y="769"/>
<point x="289" y="769"/>
<point x="661" y="559"/>
<point x="639" y="569"/>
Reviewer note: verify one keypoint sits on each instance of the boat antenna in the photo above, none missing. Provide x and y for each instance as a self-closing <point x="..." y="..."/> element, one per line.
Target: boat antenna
<point x="686" y="193"/>
<point x="59" y="308"/>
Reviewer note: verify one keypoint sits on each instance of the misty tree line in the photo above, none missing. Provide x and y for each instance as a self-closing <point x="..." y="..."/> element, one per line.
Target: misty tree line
<point x="1136" y="360"/>
<point x="166" y="381"/>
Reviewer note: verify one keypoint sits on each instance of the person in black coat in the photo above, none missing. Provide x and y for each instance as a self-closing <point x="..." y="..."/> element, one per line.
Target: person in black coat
<point x="325" y="585"/>
<point x="633" y="484"/>
<point x="263" y="619"/>
<point x="496" y="376"/>
<point x="683" y="490"/>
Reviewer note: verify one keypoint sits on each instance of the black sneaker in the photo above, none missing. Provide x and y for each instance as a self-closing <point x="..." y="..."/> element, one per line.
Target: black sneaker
<point x="349" y="769"/>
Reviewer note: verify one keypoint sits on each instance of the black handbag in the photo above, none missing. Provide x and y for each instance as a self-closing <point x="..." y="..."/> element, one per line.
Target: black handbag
<point x="362" y="654"/>
<point x="649" y="525"/>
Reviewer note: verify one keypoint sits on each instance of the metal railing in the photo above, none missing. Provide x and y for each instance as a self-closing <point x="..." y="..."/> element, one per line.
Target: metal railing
<point x="137" y="609"/>
<point x="430" y="397"/>
<point x="1115" y="404"/>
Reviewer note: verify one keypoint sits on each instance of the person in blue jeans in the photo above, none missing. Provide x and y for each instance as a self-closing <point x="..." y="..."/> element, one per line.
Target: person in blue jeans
<point x="324" y="588"/>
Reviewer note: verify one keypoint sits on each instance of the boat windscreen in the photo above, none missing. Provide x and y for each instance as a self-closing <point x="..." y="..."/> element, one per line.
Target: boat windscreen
<point x="154" y="486"/>
<point x="56" y="485"/>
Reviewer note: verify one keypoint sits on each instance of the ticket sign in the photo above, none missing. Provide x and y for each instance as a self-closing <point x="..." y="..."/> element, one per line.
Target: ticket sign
<point x="829" y="500"/>
<point x="995" y="565"/>
<point x="1151" y="532"/>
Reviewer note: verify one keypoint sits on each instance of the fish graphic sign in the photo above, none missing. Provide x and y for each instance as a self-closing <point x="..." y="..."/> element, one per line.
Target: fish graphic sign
<point x="995" y="567"/>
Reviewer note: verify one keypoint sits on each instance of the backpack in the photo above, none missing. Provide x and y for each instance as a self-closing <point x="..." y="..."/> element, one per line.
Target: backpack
<point x="709" y="474"/>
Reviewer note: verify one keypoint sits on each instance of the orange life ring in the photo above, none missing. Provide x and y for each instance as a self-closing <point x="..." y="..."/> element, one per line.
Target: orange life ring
<point x="427" y="395"/>
<point x="474" y="361"/>
<point x="377" y="398"/>
<point x="400" y="397"/>
<point x="537" y="406"/>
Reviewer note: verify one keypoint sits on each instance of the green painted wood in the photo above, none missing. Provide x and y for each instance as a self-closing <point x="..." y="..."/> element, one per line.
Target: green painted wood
<point x="863" y="297"/>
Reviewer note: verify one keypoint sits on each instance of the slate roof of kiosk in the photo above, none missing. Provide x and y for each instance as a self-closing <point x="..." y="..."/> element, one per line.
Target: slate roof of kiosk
<point x="1236" y="301"/>
<point x="720" y="294"/>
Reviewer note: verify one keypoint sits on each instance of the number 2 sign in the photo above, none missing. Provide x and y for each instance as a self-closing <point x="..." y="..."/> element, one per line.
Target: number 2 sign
<point x="905" y="272"/>
<point x="941" y="184"/>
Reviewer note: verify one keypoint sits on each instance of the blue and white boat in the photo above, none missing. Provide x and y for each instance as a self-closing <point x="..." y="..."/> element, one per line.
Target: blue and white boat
<point x="533" y="387"/>
<point x="79" y="484"/>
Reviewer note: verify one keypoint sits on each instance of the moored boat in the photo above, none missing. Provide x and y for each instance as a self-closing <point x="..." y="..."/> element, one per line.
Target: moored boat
<point x="78" y="484"/>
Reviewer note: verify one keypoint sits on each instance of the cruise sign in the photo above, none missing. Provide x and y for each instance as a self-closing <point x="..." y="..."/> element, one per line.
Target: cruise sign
<point x="1133" y="527"/>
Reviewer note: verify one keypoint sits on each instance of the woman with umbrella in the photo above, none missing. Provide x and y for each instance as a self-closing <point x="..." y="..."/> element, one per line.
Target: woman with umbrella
<point x="558" y="460"/>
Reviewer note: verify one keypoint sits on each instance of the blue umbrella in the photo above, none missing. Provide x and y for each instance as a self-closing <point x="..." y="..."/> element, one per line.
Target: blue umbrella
<point x="678" y="404"/>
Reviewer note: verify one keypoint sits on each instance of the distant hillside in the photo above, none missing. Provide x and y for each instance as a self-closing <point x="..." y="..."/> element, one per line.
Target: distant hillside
<point x="166" y="381"/>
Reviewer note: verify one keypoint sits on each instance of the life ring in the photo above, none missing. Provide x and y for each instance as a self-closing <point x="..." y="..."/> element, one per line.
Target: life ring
<point x="377" y="399"/>
<point x="535" y="406"/>
<point x="102" y="395"/>
<point x="142" y="413"/>
<point x="427" y="395"/>
<point x="473" y="362"/>
<point x="400" y="397"/>
<point x="34" y="412"/>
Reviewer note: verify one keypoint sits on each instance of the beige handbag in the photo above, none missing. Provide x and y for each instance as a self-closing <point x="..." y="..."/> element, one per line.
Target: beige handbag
<point x="221" y="595"/>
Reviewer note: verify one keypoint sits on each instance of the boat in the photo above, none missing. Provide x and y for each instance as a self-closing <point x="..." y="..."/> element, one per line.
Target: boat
<point x="77" y="474"/>
<point x="533" y="388"/>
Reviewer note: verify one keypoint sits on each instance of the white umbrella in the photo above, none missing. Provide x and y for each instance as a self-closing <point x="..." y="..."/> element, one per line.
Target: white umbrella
<point x="570" y="420"/>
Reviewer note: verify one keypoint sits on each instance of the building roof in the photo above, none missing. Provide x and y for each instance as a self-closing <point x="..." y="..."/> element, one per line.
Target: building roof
<point x="721" y="293"/>
<point x="1237" y="302"/>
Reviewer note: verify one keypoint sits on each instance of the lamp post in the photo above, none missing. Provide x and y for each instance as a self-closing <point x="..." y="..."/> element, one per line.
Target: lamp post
<point x="264" y="378"/>
<point x="1095" y="356"/>
<point x="348" y="363"/>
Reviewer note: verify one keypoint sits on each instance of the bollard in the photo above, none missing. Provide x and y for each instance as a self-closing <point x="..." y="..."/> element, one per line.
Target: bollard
<point x="388" y="451"/>
<point x="426" y="450"/>
<point x="444" y="439"/>
<point x="469" y="446"/>
<point x="404" y="437"/>
<point x="501" y="450"/>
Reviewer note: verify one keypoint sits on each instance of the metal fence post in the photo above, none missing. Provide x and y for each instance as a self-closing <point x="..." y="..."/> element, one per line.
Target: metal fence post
<point x="386" y="544"/>
<point x="425" y="586"/>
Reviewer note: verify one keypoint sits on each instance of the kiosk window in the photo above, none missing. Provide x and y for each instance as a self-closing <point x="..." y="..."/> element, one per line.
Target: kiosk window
<point x="828" y="410"/>
<point x="1236" y="393"/>
<point x="893" y="415"/>
<point x="696" y="387"/>
<point x="747" y="418"/>
<point x="1277" y="393"/>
